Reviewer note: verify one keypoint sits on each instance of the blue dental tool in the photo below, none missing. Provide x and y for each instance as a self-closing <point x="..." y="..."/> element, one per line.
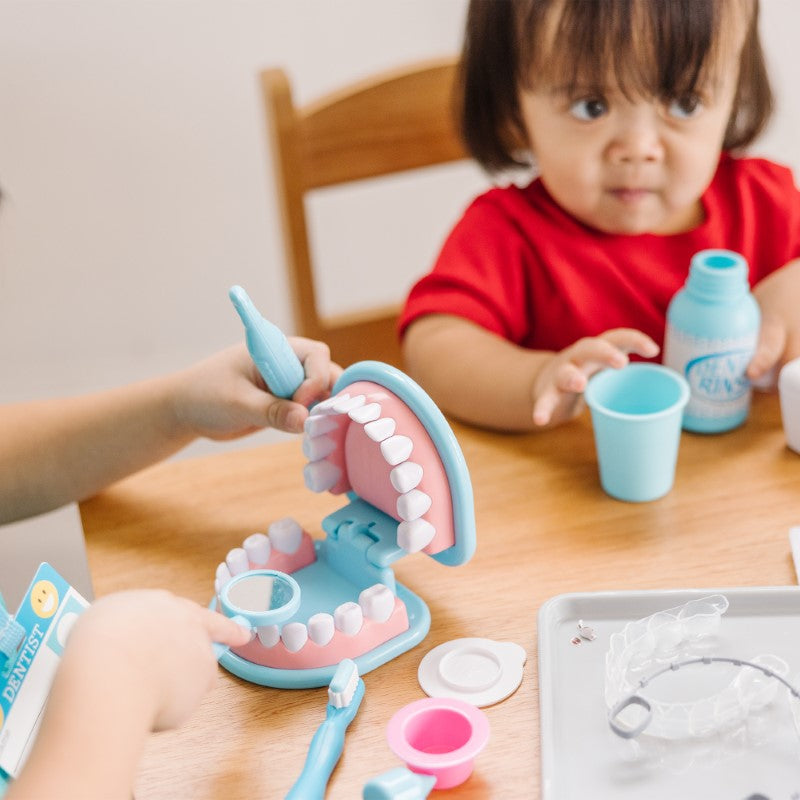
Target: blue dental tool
<point x="399" y="783"/>
<point x="269" y="348"/>
<point x="345" y="694"/>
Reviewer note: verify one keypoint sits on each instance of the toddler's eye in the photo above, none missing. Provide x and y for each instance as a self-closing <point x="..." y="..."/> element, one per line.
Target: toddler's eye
<point x="685" y="107"/>
<point x="589" y="108"/>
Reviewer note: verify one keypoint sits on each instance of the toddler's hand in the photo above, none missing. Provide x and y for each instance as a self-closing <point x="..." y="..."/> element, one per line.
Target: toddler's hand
<point x="559" y="385"/>
<point x="154" y="644"/>
<point x="225" y="397"/>
<point x="778" y="295"/>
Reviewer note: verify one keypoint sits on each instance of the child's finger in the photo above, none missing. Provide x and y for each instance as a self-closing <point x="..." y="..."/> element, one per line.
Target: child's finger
<point x="321" y="372"/>
<point x="571" y="378"/>
<point x="770" y="347"/>
<point x="224" y="630"/>
<point x="630" y="340"/>
<point x="592" y="354"/>
<point x="544" y="406"/>
<point x="286" y="415"/>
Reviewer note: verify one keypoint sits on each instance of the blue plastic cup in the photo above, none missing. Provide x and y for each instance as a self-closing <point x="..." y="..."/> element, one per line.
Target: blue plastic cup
<point x="637" y="413"/>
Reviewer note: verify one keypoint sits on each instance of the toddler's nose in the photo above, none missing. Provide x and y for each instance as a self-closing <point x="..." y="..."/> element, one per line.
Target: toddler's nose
<point x="637" y="139"/>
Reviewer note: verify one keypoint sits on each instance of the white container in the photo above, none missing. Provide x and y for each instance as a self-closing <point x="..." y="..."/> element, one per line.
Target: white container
<point x="789" y="389"/>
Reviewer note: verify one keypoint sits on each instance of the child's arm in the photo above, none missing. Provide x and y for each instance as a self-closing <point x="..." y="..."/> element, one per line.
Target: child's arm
<point x="483" y="379"/>
<point x="135" y="662"/>
<point x="56" y="451"/>
<point x="778" y="295"/>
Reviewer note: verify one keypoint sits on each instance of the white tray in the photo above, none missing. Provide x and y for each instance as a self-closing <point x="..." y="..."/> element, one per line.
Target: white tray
<point x="581" y="758"/>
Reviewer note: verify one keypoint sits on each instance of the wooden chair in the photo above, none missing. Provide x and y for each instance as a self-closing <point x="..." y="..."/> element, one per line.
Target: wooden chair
<point x="392" y="122"/>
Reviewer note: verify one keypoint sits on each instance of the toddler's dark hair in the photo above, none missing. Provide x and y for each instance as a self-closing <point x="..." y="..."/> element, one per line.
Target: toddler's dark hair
<point x="592" y="40"/>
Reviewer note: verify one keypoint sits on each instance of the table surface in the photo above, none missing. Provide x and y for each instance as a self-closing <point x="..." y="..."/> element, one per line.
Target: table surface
<point x="544" y="527"/>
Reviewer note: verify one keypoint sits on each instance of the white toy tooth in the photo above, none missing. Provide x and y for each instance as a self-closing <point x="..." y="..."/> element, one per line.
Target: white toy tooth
<point x="348" y="618"/>
<point x="321" y="628"/>
<point x="285" y="535"/>
<point x="396" y="449"/>
<point x="377" y="602"/>
<point x="236" y="561"/>
<point x="258" y="548"/>
<point x="294" y="635"/>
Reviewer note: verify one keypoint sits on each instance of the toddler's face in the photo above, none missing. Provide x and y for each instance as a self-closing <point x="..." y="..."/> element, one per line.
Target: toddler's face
<point x="631" y="165"/>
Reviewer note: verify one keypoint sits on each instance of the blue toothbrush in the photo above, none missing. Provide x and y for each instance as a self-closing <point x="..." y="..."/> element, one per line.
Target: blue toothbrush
<point x="269" y="348"/>
<point x="345" y="693"/>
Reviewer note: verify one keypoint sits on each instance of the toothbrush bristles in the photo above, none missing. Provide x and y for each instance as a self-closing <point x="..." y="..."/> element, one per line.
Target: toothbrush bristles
<point x="343" y="685"/>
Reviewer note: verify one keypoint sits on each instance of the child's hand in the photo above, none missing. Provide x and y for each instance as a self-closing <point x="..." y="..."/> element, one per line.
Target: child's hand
<point x="155" y="645"/>
<point x="778" y="295"/>
<point x="559" y="385"/>
<point x="134" y="662"/>
<point x="224" y="396"/>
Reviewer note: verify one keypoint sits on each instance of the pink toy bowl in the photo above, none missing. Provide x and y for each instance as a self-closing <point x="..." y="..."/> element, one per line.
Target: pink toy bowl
<point x="440" y="737"/>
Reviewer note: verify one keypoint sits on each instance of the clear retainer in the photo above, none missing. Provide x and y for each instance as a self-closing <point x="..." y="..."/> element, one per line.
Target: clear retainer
<point x="673" y="639"/>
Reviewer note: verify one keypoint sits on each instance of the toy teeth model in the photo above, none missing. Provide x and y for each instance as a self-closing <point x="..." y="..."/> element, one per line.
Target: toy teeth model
<point x="382" y="441"/>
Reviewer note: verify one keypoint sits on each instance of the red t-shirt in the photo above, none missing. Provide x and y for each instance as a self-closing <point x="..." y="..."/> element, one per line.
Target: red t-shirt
<point x="518" y="265"/>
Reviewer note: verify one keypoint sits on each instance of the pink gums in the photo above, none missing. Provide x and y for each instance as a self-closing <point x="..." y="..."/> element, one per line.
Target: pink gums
<point x="290" y="562"/>
<point x="311" y="655"/>
<point x="365" y="470"/>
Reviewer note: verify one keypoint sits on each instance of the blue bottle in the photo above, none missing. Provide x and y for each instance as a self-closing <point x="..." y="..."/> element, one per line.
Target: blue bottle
<point x="711" y="335"/>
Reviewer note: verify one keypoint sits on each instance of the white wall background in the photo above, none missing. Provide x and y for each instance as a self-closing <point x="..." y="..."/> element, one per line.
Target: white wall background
<point x="137" y="178"/>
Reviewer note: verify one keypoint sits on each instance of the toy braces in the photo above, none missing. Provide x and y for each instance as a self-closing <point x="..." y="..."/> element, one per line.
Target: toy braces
<point x="671" y="636"/>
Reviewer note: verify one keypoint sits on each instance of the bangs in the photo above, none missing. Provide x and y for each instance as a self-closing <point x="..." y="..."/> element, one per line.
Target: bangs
<point x="656" y="49"/>
<point x="649" y="48"/>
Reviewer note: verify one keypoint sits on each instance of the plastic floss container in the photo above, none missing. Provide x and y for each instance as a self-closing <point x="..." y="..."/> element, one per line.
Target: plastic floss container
<point x="711" y="334"/>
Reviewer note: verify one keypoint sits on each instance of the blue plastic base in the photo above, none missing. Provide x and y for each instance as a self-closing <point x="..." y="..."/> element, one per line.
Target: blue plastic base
<point x="419" y="623"/>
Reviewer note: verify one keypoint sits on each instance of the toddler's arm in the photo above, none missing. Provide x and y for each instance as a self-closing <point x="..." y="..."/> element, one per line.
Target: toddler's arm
<point x="778" y="295"/>
<point x="483" y="379"/>
<point x="135" y="662"/>
<point x="56" y="451"/>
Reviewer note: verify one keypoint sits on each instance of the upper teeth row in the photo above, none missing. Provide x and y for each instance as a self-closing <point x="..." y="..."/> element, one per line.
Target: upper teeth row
<point x="285" y="535"/>
<point x="320" y="475"/>
<point x="375" y="603"/>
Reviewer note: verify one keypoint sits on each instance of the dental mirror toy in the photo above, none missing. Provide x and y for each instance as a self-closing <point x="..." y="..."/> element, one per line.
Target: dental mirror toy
<point x="382" y="443"/>
<point x="262" y="596"/>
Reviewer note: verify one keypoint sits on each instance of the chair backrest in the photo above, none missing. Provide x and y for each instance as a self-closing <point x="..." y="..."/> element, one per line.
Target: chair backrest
<point x="392" y="122"/>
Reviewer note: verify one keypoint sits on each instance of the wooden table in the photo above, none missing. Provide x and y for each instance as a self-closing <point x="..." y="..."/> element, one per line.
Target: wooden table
<point x="544" y="528"/>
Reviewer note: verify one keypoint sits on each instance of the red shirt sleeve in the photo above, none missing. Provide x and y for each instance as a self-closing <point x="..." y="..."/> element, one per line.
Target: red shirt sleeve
<point x="479" y="274"/>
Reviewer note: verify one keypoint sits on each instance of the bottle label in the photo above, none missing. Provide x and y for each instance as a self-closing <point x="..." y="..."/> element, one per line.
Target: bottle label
<point x="715" y="371"/>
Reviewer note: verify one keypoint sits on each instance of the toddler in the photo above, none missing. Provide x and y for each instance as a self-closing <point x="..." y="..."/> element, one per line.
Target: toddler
<point x="633" y="114"/>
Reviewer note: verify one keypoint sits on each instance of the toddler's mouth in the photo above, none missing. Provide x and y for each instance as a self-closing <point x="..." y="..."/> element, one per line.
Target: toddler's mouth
<point x="630" y="195"/>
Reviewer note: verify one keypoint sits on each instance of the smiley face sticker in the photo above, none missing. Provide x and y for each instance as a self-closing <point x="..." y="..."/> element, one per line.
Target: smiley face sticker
<point x="44" y="599"/>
